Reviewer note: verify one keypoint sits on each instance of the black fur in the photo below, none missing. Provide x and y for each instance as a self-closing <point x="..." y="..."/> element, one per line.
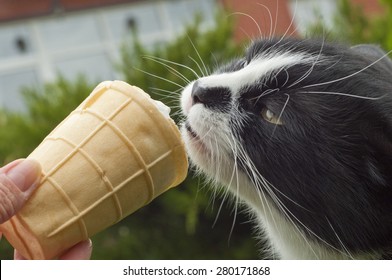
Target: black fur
<point x="333" y="156"/>
<point x="219" y="100"/>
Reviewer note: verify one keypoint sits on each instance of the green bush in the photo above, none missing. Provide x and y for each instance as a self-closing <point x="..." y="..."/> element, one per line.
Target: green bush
<point x="180" y="223"/>
<point x="20" y="133"/>
<point x="353" y="26"/>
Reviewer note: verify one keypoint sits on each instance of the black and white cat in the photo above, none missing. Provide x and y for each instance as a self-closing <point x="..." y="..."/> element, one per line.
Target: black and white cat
<point x="301" y="132"/>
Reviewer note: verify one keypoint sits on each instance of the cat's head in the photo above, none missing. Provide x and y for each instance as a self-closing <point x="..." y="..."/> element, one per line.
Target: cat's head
<point x="306" y="124"/>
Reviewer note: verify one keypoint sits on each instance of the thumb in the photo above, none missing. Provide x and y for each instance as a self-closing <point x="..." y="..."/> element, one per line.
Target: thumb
<point x="17" y="182"/>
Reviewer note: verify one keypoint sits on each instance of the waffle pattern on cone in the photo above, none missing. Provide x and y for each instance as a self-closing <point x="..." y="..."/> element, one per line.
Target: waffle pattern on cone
<point x="111" y="156"/>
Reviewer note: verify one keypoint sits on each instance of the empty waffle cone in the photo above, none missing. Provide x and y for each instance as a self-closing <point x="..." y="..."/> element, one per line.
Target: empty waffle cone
<point x="111" y="156"/>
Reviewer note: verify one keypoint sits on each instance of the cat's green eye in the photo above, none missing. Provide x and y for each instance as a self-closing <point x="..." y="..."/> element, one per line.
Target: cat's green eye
<point x="271" y="117"/>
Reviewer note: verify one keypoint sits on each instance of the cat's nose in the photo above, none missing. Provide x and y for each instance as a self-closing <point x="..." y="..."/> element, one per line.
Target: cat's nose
<point x="199" y="94"/>
<point x="208" y="96"/>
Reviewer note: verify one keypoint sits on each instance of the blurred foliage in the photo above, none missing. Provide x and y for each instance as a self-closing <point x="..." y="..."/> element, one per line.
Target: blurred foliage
<point x="354" y="26"/>
<point x="180" y="223"/>
<point x="20" y="133"/>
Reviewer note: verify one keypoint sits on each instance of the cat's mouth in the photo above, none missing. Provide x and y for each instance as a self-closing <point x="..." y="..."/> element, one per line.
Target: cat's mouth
<point x="195" y="140"/>
<point x="191" y="132"/>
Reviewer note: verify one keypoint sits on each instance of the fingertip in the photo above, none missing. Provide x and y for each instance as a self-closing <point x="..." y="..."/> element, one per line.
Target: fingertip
<point x="18" y="256"/>
<point x="11" y="165"/>
<point x="25" y="174"/>
<point x="81" y="251"/>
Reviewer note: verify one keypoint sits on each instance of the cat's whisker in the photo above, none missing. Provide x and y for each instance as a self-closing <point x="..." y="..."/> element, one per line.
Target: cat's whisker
<point x="198" y="65"/>
<point x="158" y="59"/>
<point x="241" y="154"/>
<point x="255" y="174"/>
<point x="343" y="94"/>
<point x="289" y="214"/>
<point x="276" y="18"/>
<point x="205" y="73"/>
<point x="260" y="187"/>
<point x="262" y="184"/>
<point x="166" y="98"/>
<point x="351" y="75"/>
<point x="264" y="93"/>
<point x="170" y="92"/>
<point x="251" y="18"/>
<point x="270" y="18"/>
<point x="235" y="173"/>
<point x="309" y="72"/>
<point x="159" y="77"/>
<point x="287" y="77"/>
<point x="170" y="68"/>
<point x="265" y="185"/>
<point x="290" y="25"/>
<point x="203" y="137"/>
<point x="220" y="208"/>
<point x="280" y="115"/>
<point x="225" y="190"/>
<point x="177" y="113"/>
<point x="347" y="252"/>
<point x="237" y="186"/>
<point x="249" y="36"/>
<point x="163" y="97"/>
<point x="170" y="96"/>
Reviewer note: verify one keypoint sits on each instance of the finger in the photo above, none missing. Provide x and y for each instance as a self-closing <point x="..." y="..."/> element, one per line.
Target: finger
<point x="18" y="256"/>
<point x="81" y="251"/>
<point x="17" y="182"/>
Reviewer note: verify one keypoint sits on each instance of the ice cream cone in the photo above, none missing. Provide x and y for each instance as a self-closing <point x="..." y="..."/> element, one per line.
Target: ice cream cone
<point x="112" y="155"/>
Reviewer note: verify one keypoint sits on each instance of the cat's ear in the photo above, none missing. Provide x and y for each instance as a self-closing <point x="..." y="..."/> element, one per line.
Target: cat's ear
<point x="374" y="52"/>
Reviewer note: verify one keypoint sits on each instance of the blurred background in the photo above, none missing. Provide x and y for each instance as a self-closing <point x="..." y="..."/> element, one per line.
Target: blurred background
<point x="54" y="52"/>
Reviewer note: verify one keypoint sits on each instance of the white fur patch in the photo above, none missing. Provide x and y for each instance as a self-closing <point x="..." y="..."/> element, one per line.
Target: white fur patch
<point x="254" y="71"/>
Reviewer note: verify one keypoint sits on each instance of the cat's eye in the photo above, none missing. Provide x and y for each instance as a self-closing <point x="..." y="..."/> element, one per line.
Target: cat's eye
<point x="271" y="117"/>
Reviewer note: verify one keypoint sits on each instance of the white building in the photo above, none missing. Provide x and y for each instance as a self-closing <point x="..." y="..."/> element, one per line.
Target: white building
<point x="71" y="38"/>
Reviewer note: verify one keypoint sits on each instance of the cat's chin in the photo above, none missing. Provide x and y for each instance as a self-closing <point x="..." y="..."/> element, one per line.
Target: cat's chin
<point x="197" y="151"/>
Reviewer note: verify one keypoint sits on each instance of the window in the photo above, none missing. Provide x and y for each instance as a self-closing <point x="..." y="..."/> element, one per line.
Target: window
<point x="15" y="41"/>
<point x="85" y="42"/>
<point x="144" y="18"/>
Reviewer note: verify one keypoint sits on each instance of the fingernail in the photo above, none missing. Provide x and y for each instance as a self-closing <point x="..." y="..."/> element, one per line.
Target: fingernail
<point x="25" y="175"/>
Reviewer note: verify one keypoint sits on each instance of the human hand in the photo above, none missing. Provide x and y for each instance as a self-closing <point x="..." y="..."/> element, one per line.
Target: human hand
<point x="18" y="180"/>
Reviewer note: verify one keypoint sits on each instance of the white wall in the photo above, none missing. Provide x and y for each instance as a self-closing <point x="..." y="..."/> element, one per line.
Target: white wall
<point x="33" y="51"/>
